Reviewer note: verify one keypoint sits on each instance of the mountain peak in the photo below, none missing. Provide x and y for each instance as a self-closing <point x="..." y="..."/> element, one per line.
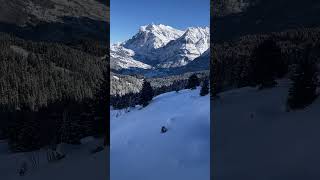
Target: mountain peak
<point x="198" y="30"/>
<point x="163" y="46"/>
<point x="152" y="27"/>
<point x="152" y="36"/>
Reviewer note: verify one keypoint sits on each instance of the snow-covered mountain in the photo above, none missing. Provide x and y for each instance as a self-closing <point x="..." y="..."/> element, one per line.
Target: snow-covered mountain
<point x="122" y="58"/>
<point x="190" y="45"/>
<point x="160" y="46"/>
<point x="151" y="37"/>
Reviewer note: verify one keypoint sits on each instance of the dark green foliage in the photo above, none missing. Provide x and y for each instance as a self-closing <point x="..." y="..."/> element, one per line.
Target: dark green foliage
<point x="48" y="72"/>
<point x="133" y="99"/>
<point x="159" y="85"/>
<point x="50" y="93"/>
<point x="237" y="55"/>
<point x="193" y="82"/>
<point x="146" y="94"/>
<point x="266" y="58"/>
<point x="216" y="72"/>
<point x="303" y="90"/>
<point x="23" y="131"/>
<point x="125" y="101"/>
<point x="101" y="109"/>
<point x="204" y="88"/>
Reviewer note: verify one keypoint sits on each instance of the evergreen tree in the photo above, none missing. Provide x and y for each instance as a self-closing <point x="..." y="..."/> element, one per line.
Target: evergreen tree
<point x="146" y="94"/>
<point x="101" y="109"/>
<point x="193" y="82"/>
<point x="303" y="90"/>
<point x="205" y="88"/>
<point x="267" y="64"/>
<point x="102" y="96"/>
<point x="216" y="75"/>
<point x="24" y="131"/>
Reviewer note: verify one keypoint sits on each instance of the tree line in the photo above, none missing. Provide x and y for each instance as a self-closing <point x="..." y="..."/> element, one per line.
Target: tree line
<point x="267" y="63"/>
<point x="145" y="95"/>
<point x="231" y="61"/>
<point x="44" y="86"/>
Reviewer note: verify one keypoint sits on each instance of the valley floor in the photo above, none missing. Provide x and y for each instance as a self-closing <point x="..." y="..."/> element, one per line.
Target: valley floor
<point x="139" y="151"/>
<point x="255" y="138"/>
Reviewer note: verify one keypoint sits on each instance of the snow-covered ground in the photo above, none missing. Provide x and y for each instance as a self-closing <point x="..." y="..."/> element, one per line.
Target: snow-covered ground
<point x="79" y="163"/>
<point x="139" y="151"/>
<point x="255" y="138"/>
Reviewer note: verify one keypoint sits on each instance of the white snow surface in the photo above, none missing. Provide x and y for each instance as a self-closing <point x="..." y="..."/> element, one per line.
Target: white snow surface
<point x="79" y="163"/>
<point x="152" y="37"/>
<point x="139" y="151"/>
<point x="256" y="138"/>
<point x="192" y="44"/>
<point x="122" y="58"/>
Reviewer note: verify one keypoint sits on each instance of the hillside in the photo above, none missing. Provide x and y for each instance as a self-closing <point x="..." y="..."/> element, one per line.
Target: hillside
<point x="245" y="17"/>
<point x="55" y="20"/>
<point x="232" y="60"/>
<point x="256" y="138"/>
<point x="53" y="65"/>
<point x="140" y="151"/>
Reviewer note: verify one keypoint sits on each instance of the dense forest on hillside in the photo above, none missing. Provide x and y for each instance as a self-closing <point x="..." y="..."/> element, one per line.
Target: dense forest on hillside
<point x="125" y="89"/>
<point x="232" y="61"/>
<point x="43" y="84"/>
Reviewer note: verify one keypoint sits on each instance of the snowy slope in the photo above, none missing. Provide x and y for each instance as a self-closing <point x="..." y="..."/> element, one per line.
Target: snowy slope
<point x="122" y="58"/>
<point x="140" y="151"/>
<point x="255" y="138"/>
<point x="192" y="44"/>
<point x="79" y="163"/>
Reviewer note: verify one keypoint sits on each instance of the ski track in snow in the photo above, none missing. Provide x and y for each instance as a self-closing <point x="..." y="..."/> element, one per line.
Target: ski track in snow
<point x="140" y="151"/>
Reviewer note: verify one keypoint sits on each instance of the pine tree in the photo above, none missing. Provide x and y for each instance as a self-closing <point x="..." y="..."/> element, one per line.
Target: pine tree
<point x="102" y="95"/>
<point x="101" y="109"/>
<point x="24" y="131"/>
<point x="303" y="90"/>
<point x="216" y="75"/>
<point x="205" y="88"/>
<point x="146" y="94"/>
<point x="267" y="64"/>
<point x="193" y="82"/>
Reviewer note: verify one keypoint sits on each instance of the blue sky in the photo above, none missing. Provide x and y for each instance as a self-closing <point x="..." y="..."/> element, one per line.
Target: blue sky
<point x="126" y="16"/>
